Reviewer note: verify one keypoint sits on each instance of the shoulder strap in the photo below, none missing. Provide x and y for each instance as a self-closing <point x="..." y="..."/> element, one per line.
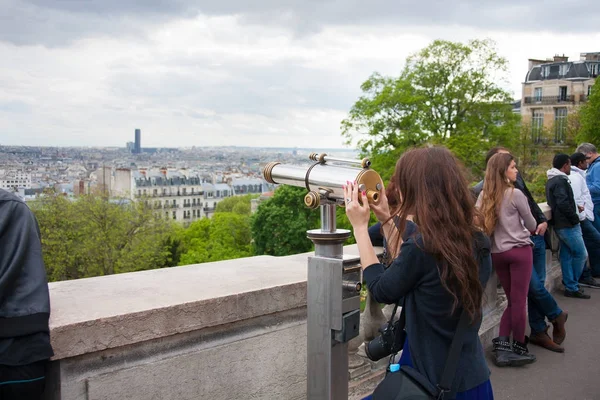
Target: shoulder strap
<point x="451" y="366"/>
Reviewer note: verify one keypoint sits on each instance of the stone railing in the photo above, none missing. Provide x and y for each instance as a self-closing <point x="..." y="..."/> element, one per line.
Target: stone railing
<point x="225" y="330"/>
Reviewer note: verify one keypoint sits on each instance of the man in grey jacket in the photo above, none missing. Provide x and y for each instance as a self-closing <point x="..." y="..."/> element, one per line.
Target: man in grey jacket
<point x="24" y="303"/>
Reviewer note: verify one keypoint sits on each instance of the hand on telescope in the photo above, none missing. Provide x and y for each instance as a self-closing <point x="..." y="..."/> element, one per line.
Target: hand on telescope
<point x="358" y="214"/>
<point x="381" y="209"/>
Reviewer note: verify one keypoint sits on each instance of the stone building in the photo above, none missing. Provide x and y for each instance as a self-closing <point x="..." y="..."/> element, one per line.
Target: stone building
<point x="553" y="88"/>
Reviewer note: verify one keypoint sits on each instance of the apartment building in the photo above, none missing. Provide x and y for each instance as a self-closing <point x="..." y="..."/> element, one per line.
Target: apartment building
<point x="553" y="88"/>
<point x="14" y="179"/>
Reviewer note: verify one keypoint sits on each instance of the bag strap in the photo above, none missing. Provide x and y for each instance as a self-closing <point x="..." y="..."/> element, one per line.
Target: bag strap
<point x="451" y="366"/>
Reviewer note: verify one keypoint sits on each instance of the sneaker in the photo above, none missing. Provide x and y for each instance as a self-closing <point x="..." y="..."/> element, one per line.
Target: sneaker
<point x="589" y="282"/>
<point x="578" y="295"/>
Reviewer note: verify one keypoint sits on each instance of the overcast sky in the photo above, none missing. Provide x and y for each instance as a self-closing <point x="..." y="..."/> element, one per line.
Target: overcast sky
<point x="206" y="72"/>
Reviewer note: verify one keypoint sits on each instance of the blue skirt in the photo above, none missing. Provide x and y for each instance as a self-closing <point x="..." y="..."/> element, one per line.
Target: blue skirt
<point x="481" y="392"/>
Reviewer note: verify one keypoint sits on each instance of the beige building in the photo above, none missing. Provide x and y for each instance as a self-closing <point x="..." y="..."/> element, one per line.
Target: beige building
<point x="553" y="88"/>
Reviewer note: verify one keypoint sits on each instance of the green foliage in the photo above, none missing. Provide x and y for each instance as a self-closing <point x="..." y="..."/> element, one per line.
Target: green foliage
<point x="224" y="236"/>
<point x="236" y="204"/>
<point x="279" y="225"/>
<point x="91" y="236"/>
<point x="590" y="118"/>
<point x="448" y="93"/>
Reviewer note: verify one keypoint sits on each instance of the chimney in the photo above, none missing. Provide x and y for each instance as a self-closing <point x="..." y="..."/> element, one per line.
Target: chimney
<point x="562" y="58"/>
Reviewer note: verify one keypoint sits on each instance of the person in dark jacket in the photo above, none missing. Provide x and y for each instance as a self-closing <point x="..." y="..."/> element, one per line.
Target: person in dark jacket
<point x="541" y="305"/>
<point x="438" y="271"/>
<point x="565" y="220"/>
<point x="24" y="303"/>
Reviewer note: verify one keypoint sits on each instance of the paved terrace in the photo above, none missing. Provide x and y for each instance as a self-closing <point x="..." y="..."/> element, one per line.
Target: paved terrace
<point x="569" y="376"/>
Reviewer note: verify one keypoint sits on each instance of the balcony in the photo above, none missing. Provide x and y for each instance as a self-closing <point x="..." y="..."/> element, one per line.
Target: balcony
<point x="209" y="209"/>
<point x="549" y="100"/>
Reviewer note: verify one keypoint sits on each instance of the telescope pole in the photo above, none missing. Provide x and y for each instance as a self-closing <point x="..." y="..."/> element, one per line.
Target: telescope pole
<point x="327" y="337"/>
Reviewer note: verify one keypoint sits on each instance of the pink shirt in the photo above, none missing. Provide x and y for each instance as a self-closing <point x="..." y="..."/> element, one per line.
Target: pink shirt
<point x="515" y="223"/>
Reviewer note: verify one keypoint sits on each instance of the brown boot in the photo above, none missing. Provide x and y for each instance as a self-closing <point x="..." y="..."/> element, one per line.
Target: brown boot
<point x="542" y="339"/>
<point x="559" y="333"/>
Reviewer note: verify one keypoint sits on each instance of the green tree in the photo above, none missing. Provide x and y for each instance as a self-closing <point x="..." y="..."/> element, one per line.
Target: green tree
<point x="92" y="236"/>
<point x="225" y="236"/>
<point x="279" y="225"/>
<point x="448" y="93"/>
<point x="589" y="115"/>
<point x="236" y="204"/>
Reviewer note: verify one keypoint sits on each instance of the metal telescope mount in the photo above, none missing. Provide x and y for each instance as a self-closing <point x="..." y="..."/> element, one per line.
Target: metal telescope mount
<point x="333" y="286"/>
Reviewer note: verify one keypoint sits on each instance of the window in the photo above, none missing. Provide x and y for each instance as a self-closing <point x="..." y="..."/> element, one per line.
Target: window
<point x="560" y="124"/>
<point x="174" y="203"/>
<point x="594" y="68"/>
<point x="537" y="124"/>
<point x="184" y="191"/>
<point x="590" y="90"/>
<point x="537" y="94"/>
<point x="545" y="71"/>
<point x="563" y="69"/>
<point x="174" y="215"/>
<point x="562" y="93"/>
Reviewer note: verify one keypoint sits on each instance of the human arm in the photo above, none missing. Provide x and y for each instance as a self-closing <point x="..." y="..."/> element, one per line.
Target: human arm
<point x="593" y="179"/>
<point x="535" y="209"/>
<point x="520" y="201"/>
<point x="562" y="195"/>
<point x="18" y="235"/>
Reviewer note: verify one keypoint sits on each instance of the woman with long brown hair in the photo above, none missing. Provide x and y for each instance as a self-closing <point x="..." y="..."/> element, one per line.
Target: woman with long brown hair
<point x="507" y="219"/>
<point x="440" y="271"/>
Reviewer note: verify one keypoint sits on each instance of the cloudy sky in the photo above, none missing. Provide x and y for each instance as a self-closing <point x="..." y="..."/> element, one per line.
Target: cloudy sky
<point x="266" y="72"/>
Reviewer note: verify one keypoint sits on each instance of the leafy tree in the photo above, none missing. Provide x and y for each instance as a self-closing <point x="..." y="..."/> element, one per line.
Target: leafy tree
<point x="448" y="93"/>
<point x="589" y="115"/>
<point x="279" y="225"/>
<point x="92" y="236"/>
<point x="224" y="236"/>
<point x="237" y="204"/>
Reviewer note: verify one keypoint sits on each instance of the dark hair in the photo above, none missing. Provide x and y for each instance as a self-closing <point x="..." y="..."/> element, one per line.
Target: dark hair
<point x="492" y="152"/>
<point x="433" y="188"/>
<point x="560" y="160"/>
<point x="576" y="158"/>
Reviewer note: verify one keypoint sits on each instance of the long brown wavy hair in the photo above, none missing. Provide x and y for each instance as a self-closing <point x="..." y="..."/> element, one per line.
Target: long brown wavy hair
<point x="435" y="192"/>
<point x="495" y="184"/>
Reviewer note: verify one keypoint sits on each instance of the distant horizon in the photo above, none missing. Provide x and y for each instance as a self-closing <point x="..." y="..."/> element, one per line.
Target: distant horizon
<point x="316" y="148"/>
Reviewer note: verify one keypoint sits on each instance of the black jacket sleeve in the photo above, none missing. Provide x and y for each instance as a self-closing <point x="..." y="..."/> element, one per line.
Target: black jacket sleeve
<point x="18" y="231"/>
<point x="564" y="201"/>
<point x="390" y="285"/>
<point x="533" y="206"/>
<point x="375" y="235"/>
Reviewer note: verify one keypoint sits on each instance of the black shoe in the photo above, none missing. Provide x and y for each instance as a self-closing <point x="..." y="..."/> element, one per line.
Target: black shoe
<point x="521" y="350"/>
<point x="589" y="282"/>
<point x="505" y="356"/>
<point x="577" y="295"/>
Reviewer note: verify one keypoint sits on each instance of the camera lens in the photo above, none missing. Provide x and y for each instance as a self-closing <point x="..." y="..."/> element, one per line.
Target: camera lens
<point x="376" y="349"/>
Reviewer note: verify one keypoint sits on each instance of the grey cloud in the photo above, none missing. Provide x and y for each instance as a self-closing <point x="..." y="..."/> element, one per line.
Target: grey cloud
<point x="58" y="22"/>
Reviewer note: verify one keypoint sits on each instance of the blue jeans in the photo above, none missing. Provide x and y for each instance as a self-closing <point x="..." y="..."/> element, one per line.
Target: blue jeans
<point x="540" y="304"/>
<point x="596" y="221"/>
<point x="572" y="256"/>
<point x="591" y="238"/>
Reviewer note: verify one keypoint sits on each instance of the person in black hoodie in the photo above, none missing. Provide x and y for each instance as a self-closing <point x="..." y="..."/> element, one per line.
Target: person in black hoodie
<point x="24" y="303"/>
<point x="565" y="220"/>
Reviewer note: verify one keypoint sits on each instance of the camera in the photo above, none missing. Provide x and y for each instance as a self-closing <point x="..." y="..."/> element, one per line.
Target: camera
<point x="389" y="342"/>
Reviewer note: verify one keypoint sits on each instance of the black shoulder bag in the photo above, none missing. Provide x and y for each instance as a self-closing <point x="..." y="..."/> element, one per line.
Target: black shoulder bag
<point x="410" y="384"/>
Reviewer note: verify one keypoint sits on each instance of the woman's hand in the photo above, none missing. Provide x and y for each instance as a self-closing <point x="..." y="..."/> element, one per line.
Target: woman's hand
<point x="381" y="209"/>
<point x="358" y="214"/>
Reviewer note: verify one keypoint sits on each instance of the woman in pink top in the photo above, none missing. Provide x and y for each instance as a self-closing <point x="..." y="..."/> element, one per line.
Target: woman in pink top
<point x="507" y="219"/>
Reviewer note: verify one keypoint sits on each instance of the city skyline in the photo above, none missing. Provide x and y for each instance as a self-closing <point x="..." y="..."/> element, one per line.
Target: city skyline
<point x="223" y="74"/>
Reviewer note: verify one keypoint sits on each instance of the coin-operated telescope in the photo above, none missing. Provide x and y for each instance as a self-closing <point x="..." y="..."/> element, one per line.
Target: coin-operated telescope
<point x="333" y="284"/>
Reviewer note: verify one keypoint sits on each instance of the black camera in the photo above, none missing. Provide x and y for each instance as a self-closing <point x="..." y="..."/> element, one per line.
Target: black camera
<point x="389" y="342"/>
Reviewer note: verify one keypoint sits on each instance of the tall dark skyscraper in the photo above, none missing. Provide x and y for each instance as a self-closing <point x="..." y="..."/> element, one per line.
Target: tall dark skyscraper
<point x="137" y="149"/>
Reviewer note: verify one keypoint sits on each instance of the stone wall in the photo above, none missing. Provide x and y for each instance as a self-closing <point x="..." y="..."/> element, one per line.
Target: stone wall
<point x="227" y="330"/>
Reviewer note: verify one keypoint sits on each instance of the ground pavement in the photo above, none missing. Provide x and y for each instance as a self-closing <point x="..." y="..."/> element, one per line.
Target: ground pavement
<point x="573" y="375"/>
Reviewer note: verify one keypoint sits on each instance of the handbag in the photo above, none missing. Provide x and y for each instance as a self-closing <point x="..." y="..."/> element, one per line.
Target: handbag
<point x="409" y="384"/>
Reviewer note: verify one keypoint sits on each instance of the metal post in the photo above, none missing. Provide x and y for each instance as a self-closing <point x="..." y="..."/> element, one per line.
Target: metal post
<point x="332" y="311"/>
